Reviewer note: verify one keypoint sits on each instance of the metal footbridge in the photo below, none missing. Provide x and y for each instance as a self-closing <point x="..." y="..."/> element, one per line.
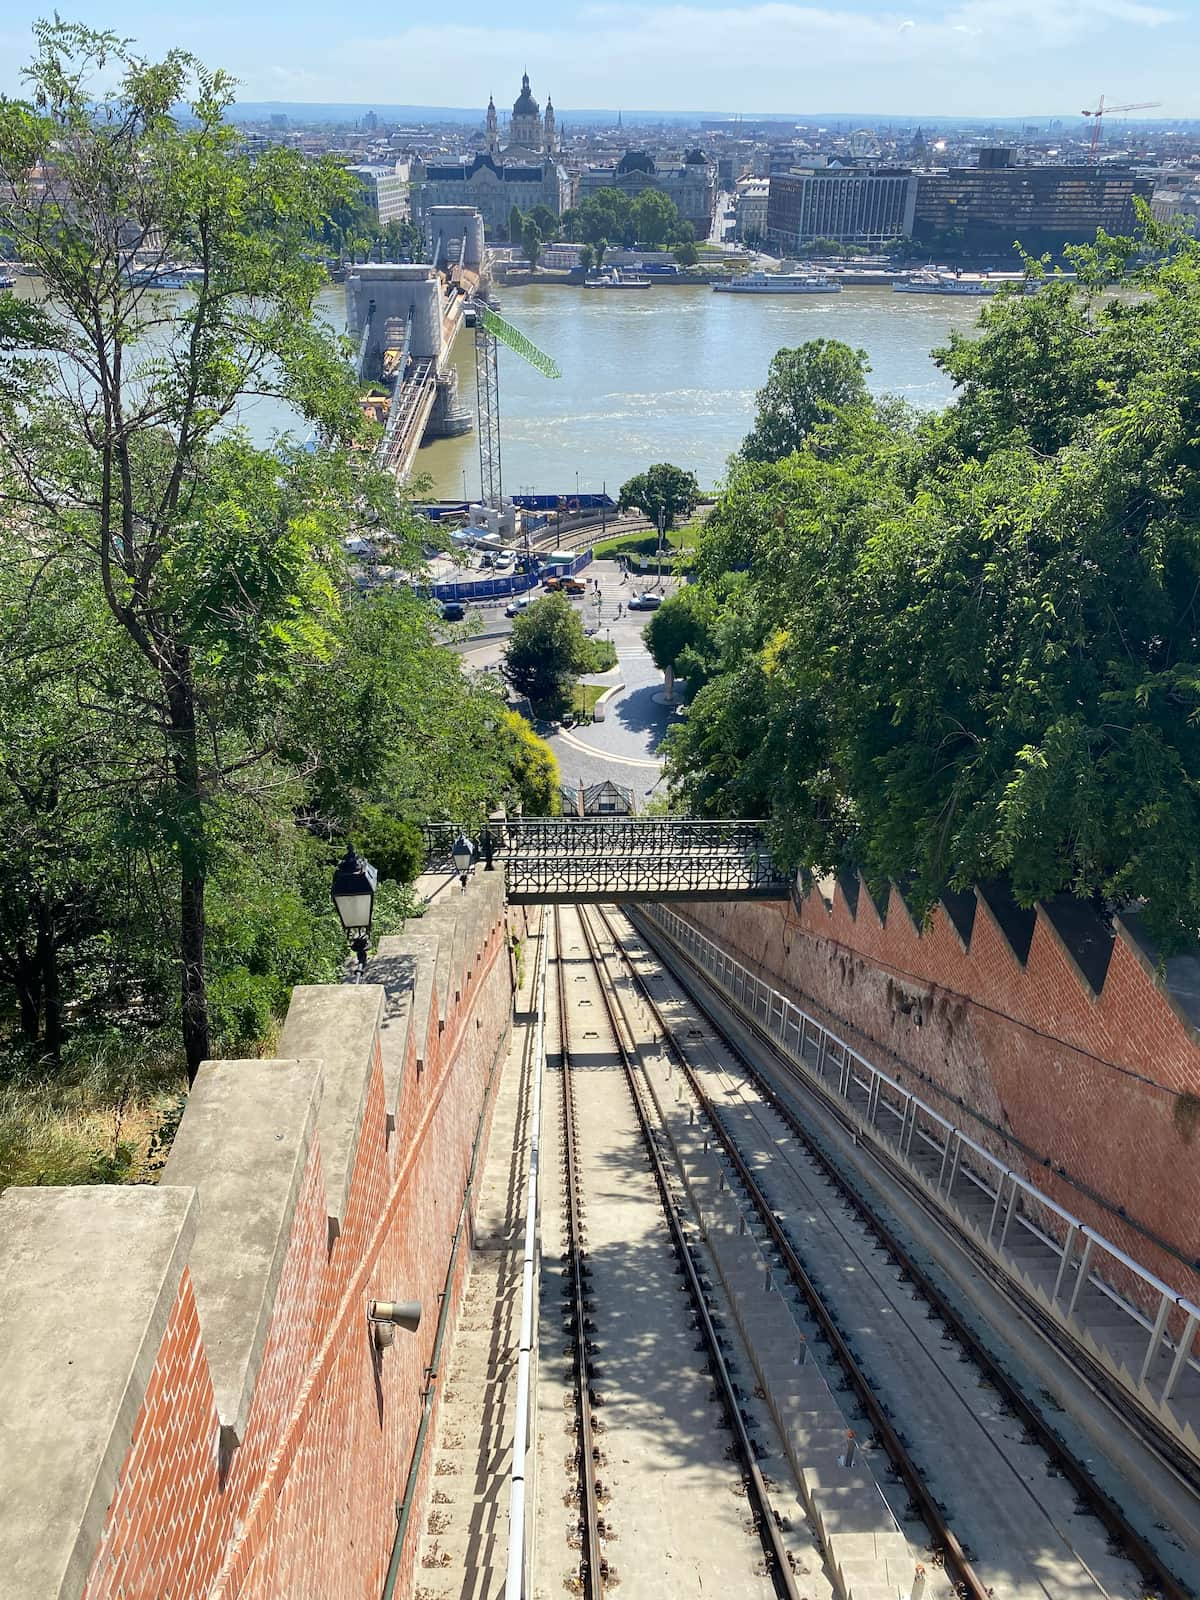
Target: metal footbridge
<point x="624" y="860"/>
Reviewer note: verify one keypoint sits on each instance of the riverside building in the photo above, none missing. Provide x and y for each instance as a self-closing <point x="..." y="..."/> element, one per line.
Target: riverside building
<point x="854" y="205"/>
<point x="691" y="182"/>
<point x="983" y="209"/>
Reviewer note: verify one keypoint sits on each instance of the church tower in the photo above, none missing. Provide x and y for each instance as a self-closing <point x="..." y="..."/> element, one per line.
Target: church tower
<point x="549" y="121"/>
<point x="525" y="129"/>
<point x="493" y="129"/>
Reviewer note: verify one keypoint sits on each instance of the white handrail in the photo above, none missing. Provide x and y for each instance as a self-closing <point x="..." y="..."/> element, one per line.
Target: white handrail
<point x="514" y="1583"/>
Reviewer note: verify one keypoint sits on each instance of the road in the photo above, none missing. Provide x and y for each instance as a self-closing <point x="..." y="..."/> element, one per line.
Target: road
<point x="624" y="746"/>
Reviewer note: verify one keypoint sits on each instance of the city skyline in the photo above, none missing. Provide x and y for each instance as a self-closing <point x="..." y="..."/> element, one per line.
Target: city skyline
<point x="976" y="58"/>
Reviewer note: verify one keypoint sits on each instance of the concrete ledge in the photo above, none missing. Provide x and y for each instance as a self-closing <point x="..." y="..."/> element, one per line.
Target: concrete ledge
<point x="600" y="709"/>
<point x="243" y="1145"/>
<point x="90" y="1277"/>
<point x="337" y="1024"/>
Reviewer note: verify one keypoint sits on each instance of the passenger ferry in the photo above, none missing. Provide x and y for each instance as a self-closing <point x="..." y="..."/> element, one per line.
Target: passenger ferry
<point x="779" y="283"/>
<point x="935" y="281"/>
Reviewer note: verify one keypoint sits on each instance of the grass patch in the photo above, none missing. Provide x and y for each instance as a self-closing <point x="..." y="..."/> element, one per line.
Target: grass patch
<point x="645" y="544"/>
<point x="105" y="1114"/>
<point x="582" y="698"/>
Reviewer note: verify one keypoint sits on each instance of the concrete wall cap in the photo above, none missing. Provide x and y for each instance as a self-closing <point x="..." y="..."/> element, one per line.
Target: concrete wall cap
<point x="337" y="1024"/>
<point x="243" y="1145"/>
<point x="90" y="1277"/>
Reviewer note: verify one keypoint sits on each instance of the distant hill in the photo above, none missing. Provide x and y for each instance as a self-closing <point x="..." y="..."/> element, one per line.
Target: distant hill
<point x="336" y="114"/>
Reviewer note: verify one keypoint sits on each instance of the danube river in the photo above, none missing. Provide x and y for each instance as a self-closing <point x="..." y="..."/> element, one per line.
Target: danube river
<point x="662" y="374"/>
<point x="670" y="374"/>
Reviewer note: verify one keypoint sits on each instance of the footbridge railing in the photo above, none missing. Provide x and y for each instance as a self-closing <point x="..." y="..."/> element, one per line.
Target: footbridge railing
<point x="625" y="859"/>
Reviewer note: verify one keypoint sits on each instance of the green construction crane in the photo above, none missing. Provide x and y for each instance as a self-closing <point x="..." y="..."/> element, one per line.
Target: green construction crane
<point x="490" y="332"/>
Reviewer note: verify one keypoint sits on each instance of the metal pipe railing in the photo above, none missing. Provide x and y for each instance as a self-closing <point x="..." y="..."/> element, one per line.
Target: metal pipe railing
<point x="1173" y="1311"/>
<point x="516" y="1584"/>
<point x="404" y="1508"/>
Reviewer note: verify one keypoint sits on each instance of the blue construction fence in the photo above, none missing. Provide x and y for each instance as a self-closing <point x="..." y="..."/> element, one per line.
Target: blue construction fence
<point x="561" y="565"/>
<point x="540" y="507"/>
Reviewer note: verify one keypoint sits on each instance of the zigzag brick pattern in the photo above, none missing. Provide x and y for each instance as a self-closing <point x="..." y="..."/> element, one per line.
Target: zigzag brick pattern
<point x="1092" y="1097"/>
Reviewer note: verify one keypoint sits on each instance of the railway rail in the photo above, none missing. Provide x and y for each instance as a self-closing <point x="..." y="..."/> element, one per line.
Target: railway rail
<point x="594" y="1572"/>
<point x="1156" y="1576"/>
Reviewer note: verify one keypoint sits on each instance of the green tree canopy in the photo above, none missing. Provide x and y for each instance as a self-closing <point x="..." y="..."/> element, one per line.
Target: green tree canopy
<point x="805" y="390"/>
<point x="654" y="216"/>
<point x="199" y="703"/>
<point x="970" y="646"/>
<point x="531" y="242"/>
<point x="546" y="650"/>
<point x="516" y="225"/>
<point x="662" y="491"/>
<point x="686" y="253"/>
<point x="548" y="223"/>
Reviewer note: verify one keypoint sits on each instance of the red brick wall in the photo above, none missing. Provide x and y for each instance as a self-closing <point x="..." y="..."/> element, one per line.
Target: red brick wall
<point x="1088" y="1097"/>
<point x="304" y="1506"/>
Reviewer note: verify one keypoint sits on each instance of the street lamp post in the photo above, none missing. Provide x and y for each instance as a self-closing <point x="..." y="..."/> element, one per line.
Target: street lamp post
<point x="353" y="896"/>
<point x="462" y="853"/>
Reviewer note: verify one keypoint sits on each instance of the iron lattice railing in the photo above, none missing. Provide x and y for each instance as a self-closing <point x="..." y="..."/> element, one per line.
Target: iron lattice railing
<point x="625" y="858"/>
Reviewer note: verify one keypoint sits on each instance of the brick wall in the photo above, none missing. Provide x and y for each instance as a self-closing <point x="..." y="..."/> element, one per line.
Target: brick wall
<point x="249" y="1439"/>
<point x="1053" y="1042"/>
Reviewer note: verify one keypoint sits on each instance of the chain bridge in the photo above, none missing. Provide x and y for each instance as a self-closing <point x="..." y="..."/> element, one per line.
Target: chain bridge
<point x="623" y="860"/>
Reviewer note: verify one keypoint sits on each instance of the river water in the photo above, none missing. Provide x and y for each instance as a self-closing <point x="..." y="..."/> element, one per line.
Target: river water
<point x="662" y="374"/>
<point x="670" y="374"/>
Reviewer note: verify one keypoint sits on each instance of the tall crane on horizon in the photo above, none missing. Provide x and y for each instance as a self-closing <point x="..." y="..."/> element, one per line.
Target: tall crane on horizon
<point x="1100" y="111"/>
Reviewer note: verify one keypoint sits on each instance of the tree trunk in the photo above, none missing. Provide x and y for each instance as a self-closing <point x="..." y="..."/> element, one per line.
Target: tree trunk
<point x="193" y="860"/>
<point x="27" y="983"/>
<point x="47" y="961"/>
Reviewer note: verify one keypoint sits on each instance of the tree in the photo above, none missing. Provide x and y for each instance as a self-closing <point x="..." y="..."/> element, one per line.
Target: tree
<point x="516" y="225"/>
<point x="654" y="215"/>
<point x="604" y="215"/>
<point x="586" y="257"/>
<point x="805" y="390"/>
<point x="534" y="769"/>
<point x="548" y="223"/>
<point x="531" y="243"/>
<point x="825" y="247"/>
<point x="213" y="559"/>
<point x="684" y="622"/>
<point x="662" y="491"/>
<point x="546" y="650"/>
<point x="598" y="252"/>
<point x="686" y="254"/>
<point x="394" y="847"/>
<point x="570" y="224"/>
<point x="970" y="646"/>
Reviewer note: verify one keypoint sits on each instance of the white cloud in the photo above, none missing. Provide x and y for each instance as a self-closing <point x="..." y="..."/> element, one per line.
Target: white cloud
<point x="772" y="55"/>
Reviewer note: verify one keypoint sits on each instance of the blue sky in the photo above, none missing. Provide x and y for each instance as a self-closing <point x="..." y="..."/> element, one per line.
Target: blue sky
<point x="970" y="57"/>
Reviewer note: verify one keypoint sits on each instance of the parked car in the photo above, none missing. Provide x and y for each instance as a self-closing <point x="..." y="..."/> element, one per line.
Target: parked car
<point x="516" y="605"/>
<point x="553" y="583"/>
<point x="645" y="602"/>
<point x="454" y="611"/>
<point x="573" y="586"/>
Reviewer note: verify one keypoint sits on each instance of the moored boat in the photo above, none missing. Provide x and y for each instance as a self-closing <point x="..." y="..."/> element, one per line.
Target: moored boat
<point x="614" y="278"/>
<point x="779" y="283"/>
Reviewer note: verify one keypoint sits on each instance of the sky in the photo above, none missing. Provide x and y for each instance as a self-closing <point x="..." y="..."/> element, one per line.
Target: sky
<point x="950" y="57"/>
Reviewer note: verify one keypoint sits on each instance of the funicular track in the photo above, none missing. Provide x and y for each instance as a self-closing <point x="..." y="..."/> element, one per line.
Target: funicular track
<point x="1156" y="1577"/>
<point x="595" y="1573"/>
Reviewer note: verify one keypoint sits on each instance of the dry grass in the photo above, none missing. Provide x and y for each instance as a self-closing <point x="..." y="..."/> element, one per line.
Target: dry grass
<point x="104" y="1115"/>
